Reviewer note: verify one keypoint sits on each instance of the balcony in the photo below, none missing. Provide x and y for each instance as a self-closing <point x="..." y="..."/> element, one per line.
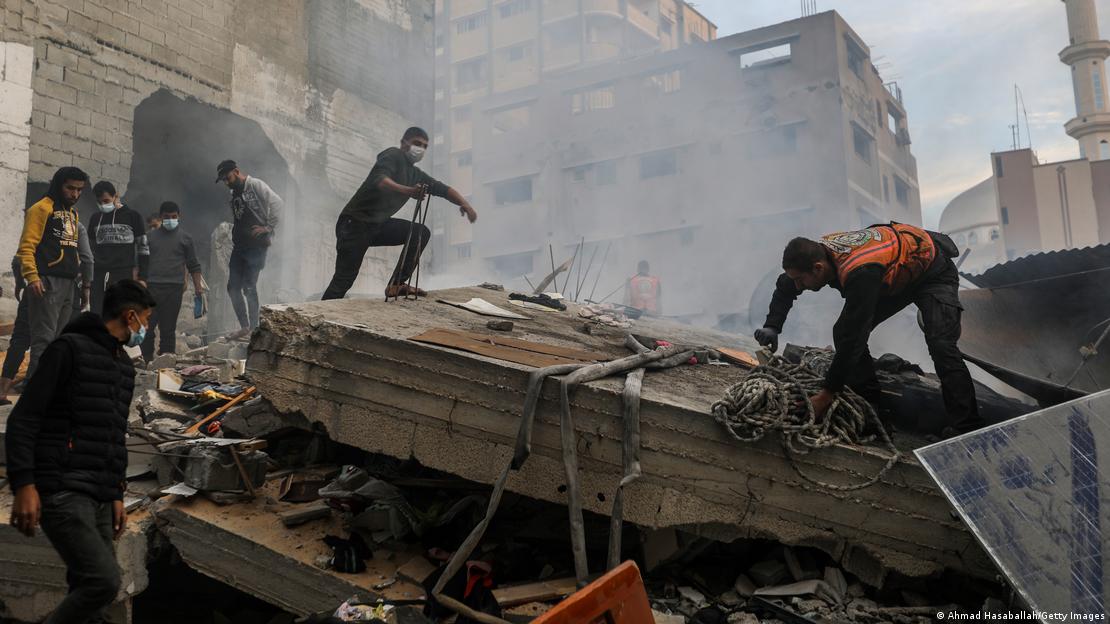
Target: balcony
<point x="643" y="22"/>
<point x="602" y="51"/>
<point x="555" y="10"/>
<point x="602" y="7"/>
<point x="560" y="58"/>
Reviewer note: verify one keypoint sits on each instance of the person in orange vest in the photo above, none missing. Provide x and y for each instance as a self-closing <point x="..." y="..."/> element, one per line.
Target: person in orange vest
<point x="644" y="290"/>
<point x="879" y="271"/>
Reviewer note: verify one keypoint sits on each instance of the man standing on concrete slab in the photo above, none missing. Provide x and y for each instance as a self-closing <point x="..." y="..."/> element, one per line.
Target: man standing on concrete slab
<point x="66" y="447"/>
<point x="118" y="241"/>
<point x="644" y="290"/>
<point x="879" y="271"/>
<point x="255" y="208"/>
<point x="48" y="258"/>
<point x="172" y="255"/>
<point x="366" y="220"/>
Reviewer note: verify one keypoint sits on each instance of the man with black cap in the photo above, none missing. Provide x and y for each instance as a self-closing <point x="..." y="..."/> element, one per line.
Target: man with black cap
<point x="255" y="208"/>
<point x="367" y="219"/>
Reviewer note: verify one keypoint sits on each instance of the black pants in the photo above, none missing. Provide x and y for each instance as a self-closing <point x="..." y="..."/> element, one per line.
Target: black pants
<point x="937" y="296"/>
<point x="163" y="317"/>
<point x="242" y="283"/>
<point x="20" y="340"/>
<point x="80" y="529"/>
<point x="102" y="279"/>
<point x="353" y="238"/>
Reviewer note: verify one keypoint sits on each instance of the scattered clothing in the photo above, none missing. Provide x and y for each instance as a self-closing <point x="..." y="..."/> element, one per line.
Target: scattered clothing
<point x="541" y="299"/>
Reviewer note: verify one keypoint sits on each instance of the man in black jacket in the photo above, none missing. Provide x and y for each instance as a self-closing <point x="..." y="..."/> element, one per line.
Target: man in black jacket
<point x="66" y="448"/>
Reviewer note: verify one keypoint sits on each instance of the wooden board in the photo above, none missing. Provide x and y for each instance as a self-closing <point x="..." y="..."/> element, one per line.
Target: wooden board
<point x="736" y="356"/>
<point x="507" y="349"/>
<point x="543" y="591"/>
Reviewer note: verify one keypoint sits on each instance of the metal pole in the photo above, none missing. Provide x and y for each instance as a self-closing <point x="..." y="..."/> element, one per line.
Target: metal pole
<point x="600" y="269"/>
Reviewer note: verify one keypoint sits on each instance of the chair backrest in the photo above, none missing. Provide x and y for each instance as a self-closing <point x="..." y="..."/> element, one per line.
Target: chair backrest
<point x="618" y="597"/>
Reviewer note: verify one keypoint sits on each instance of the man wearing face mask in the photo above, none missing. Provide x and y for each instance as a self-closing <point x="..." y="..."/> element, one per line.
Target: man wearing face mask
<point x="256" y="209"/>
<point x="48" y="258"/>
<point x="172" y="254"/>
<point x="118" y="237"/>
<point x="66" y="447"/>
<point x="367" y="220"/>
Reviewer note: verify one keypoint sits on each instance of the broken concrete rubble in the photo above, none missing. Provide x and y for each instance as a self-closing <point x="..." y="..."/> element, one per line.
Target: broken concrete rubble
<point x="349" y="366"/>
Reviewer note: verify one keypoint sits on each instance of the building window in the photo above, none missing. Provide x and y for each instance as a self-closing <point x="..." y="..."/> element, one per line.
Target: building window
<point x="659" y="164"/>
<point x="464" y="159"/>
<point x="779" y="141"/>
<point x="1103" y="150"/>
<point x="664" y="82"/>
<point x="514" y="7"/>
<point x="605" y="173"/>
<point x="462" y="114"/>
<point x="519" y="53"/>
<point x="995" y="235"/>
<point x="666" y="26"/>
<point x="857" y="57"/>
<point x="470" y="75"/>
<point x="879" y="112"/>
<point x="768" y="54"/>
<point x="470" y="23"/>
<point x="998" y="166"/>
<point x="1096" y="78"/>
<point x="516" y="264"/>
<point x="462" y="251"/>
<point x="901" y="191"/>
<point x="511" y="119"/>
<point x="1005" y="216"/>
<point x="894" y="121"/>
<point x="686" y="237"/>
<point x="886" y="189"/>
<point x="513" y="191"/>
<point x="595" y="99"/>
<point x="862" y="142"/>
<point x="578" y="174"/>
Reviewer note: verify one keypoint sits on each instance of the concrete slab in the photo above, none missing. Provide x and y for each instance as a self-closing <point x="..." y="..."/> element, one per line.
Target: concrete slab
<point x="32" y="576"/>
<point x="246" y="546"/>
<point x="350" y="366"/>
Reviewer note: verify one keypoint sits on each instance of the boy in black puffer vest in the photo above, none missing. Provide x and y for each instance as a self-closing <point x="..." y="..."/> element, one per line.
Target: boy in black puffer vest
<point x="66" y="448"/>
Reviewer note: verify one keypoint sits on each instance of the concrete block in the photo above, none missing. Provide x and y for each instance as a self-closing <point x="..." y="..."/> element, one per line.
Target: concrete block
<point x="213" y="469"/>
<point x="744" y="586"/>
<point x="258" y="419"/>
<point x="666" y="618"/>
<point x="79" y="81"/>
<point x="865" y="566"/>
<point x="58" y="91"/>
<point x="219" y="350"/>
<point x="19" y="63"/>
<point x="801" y="565"/>
<point x="166" y="360"/>
<point x="154" y="405"/>
<point x="766" y="573"/>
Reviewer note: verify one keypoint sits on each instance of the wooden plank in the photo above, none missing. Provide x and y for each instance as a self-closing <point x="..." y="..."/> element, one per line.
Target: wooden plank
<point x="301" y="515"/>
<point x="243" y="396"/>
<point x="483" y="346"/>
<point x="538" y="347"/>
<point x="534" y="592"/>
<point x="736" y="356"/>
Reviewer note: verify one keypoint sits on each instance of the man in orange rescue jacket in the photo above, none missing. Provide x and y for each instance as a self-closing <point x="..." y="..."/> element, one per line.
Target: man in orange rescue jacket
<point x="879" y="271"/>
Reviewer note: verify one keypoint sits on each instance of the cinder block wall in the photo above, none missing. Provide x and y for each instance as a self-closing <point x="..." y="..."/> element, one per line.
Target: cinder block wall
<point x="330" y="82"/>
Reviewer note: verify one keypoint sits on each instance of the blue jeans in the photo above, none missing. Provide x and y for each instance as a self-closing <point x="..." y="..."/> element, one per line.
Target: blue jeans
<point x="242" y="283"/>
<point x="80" y="528"/>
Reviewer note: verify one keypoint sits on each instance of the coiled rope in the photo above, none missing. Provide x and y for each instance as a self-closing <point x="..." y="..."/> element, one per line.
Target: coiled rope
<point x="775" y="397"/>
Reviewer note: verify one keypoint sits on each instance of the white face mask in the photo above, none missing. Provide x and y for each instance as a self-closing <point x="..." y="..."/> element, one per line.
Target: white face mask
<point x="415" y="153"/>
<point x="106" y="208"/>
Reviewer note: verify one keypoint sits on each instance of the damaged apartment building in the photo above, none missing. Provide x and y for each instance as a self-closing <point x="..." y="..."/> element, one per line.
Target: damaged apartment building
<point x="738" y="143"/>
<point x="151" y="95"/>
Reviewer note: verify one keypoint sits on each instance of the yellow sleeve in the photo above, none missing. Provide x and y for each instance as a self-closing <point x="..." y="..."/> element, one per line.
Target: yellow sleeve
<point x="34" y="223"/>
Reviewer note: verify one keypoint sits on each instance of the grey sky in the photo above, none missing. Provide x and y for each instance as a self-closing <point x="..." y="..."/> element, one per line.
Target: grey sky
<point x="957" y="62"/>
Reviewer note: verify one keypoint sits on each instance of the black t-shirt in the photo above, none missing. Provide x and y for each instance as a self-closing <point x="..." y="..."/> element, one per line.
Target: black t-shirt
<point x="373" y="205"/>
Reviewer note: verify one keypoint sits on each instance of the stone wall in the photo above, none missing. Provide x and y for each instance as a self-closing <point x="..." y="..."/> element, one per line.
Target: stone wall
<point x="331" y="83"/>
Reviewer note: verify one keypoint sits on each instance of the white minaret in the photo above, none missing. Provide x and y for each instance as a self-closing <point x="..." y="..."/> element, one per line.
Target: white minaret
<point x="1086" y="55"/>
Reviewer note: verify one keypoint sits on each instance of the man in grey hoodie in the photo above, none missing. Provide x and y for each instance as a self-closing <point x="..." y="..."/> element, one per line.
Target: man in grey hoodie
<point x="256" y="209"/>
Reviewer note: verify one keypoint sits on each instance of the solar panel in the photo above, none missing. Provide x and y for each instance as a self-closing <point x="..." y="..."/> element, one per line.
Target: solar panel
<point x="1034" y="493"/>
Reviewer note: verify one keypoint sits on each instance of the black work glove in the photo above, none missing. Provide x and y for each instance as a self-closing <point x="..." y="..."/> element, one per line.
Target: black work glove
<point x="768" y="337"/>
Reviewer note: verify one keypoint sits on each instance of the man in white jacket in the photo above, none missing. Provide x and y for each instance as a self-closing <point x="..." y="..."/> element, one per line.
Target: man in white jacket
<point x="255" y="208"/>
